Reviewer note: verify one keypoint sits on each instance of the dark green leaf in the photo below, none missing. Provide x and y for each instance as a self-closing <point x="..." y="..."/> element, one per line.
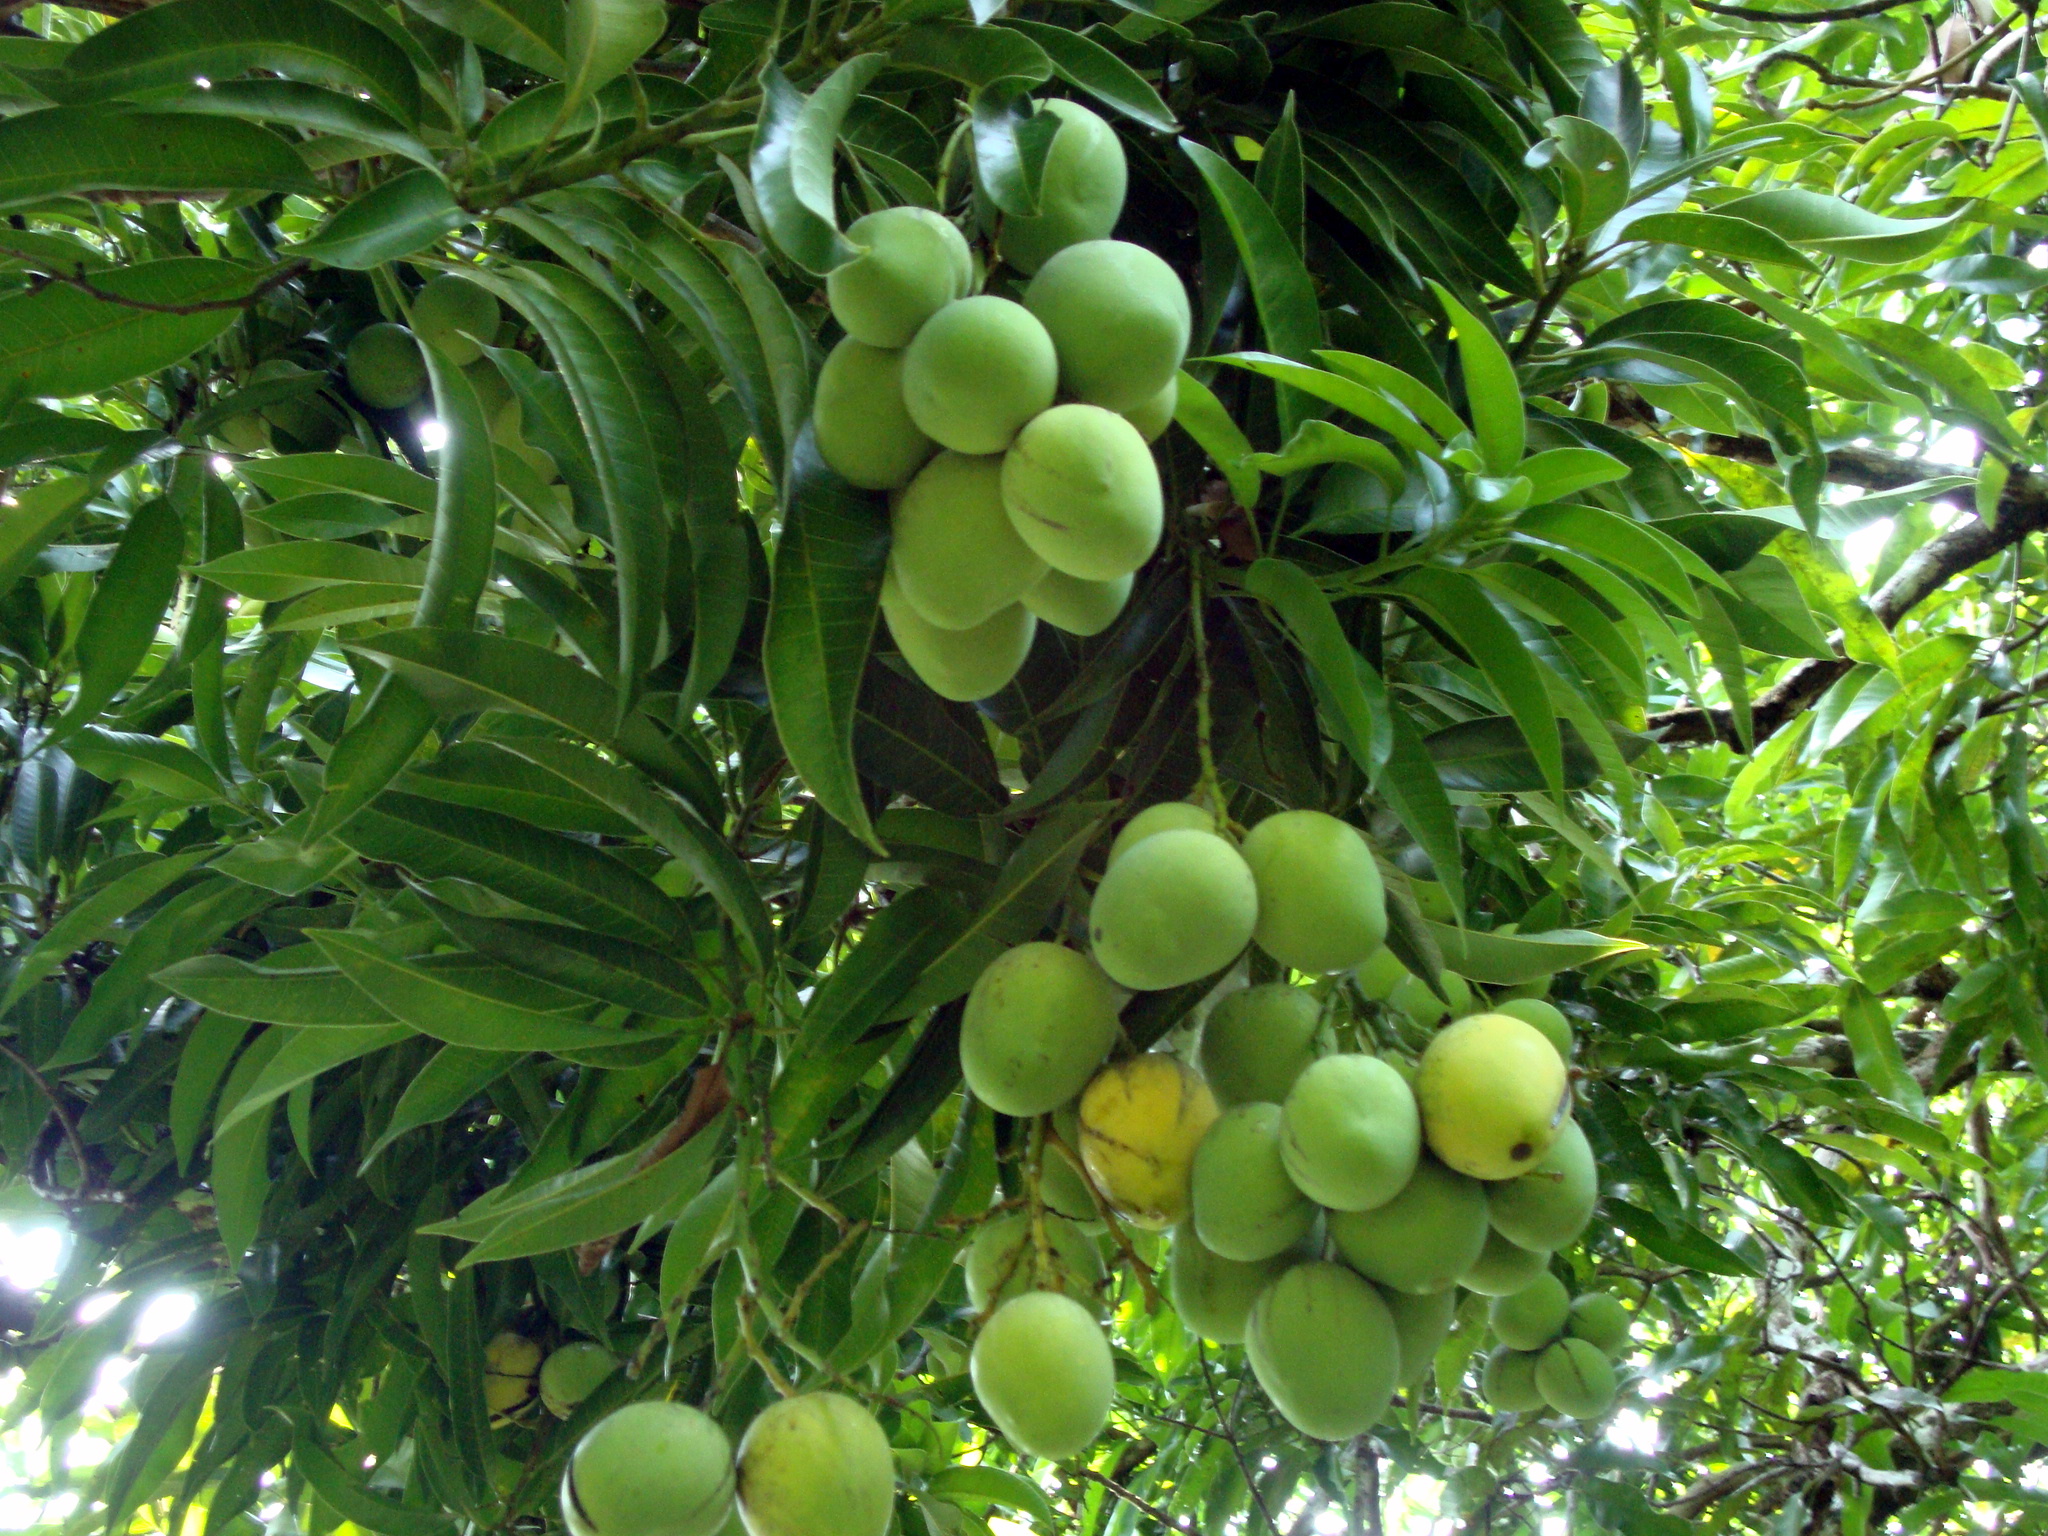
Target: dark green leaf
<point x="61" y="151"/>
<point x="828" y="584"/>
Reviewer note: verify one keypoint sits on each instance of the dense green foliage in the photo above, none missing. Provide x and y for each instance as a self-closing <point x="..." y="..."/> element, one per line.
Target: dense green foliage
<point x="475" y="863"/>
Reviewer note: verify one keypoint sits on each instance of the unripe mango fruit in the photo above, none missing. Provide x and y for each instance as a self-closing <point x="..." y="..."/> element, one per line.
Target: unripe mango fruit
<point x="1351" y="1138"/>
<point x="1546" y="1020"/>
<point x="1257" y="1041"/>
<point x="1081" y="487"/>
<point x="1003" y="1261"/>
<point x="1166" y="816"/>
<point x="1141" y="1121"/>
<point x="1379" y="973"/>
<point x="1038" y="1023"/>
<point x="913" y="262"/>
<point x="572" y="1373"/>
<point x="385" y="368"/>
<point x="1423" y="1239"/>
<point x="1321" y="905"/>
<point x="958" y="664"/>
<point x="1080" y="193"/>
<point x="1323" y="1345"/>
<point x="1043" y="1370"/>
<point x="1076" y="606"/>
<point x="952" y="548"/>
<point x="864" y="429"/>
<point x="1245" y="1206"/>
<point x="1502" y="1268"/>
<point x="1421" y="1324"/>
<point x="976" y="372"/>
<point x="816" y="1465"/>
<point x="1509" y="1382"/>
<point x="1600" y="1320"/>
<point x="1178" y="906"/>
<point x="1411" y="996"/>
<point x="1156" y="415"/>
<point x="1493" y="1095"/>
<point x="650" y="1469"/>
<point x="1550" y="1204"/>
<point x="1212" y="1294"/>
<point x="450" y="310"/>
<point x="1575" y="1379"/>
<point x="1532" y="1317"/>
<point x="1118" y="317"/>
<point x="511" y="1372"/>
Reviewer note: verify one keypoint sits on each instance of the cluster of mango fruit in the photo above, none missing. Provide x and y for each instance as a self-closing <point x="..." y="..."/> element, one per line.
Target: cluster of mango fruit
<point x="1011" y="432"/>
<point x="1329" y="1207"/>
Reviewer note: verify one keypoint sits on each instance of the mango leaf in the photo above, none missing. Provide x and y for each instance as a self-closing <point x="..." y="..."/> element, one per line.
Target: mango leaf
<point x="299" y="995"/>
<point x="1874" y="1044"/>
<point x="165" y="767"/>
<point x="1490" y="755"/>
<point x="1461" y="606"/>
<point x="460" y="670"/>
<point x="821" y="619"/>
<point x="988" y="60"/>
<point x="303" y="1057"/>
<point x="1511" y="959"/>
<point x="1420" y="400"/>
<point x="39" y="515"/>
<point x="1086" y="65"/>
<point x="57" y="342"/>
<point x="91" y="917"/>
<point x="1351" y="692"/>
<point x="543" y="870"/>
<point x="1676" y="1241"/>
<point x="610" y="970"/>
<point x="379" y="479"/>
<point x="792" y="161"/>
<point x="188" y="923"/>
<point x="577" y="1207"/>
<point x="408" y="213"/>
<point x="61" y="151"/>
<point x="308" y="40"/>
<point x="839" y="1043"/>
<point x="1492" y="394"/>
<point x="993" y="1485"/>
<point x="1034" y="880"/>
<point x="1285" y="295"/>
<point x="240" y="1171"/>
<point x="448" y="1006"/>
<point x="1202" y="416"/>
<point x="274" y="572"/>
<point x="528" y="32"/>
<point x="602" y="38"/>
<point x="1370" y="403"/>
<point x="1719" y="234"/>
<point x="1834" y="227"/>
<point x="127" y="605"/>
<point x="697" y="845"/>
<point x="456" y="1075"/>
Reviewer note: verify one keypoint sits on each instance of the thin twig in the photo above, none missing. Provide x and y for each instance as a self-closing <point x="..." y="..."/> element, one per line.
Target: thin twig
<point x="84" y="284"/>
<point x="1137" y="1501"/>
<point x="57" y="1109"/>
<point x="708" y="1095"/>
<point x="1802" y="18"/>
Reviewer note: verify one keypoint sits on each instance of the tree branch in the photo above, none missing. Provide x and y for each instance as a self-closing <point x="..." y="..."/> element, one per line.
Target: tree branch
<point x="2022" y="509"/>
<point x="84" y="284"/>
<point x="1802" y="18"/>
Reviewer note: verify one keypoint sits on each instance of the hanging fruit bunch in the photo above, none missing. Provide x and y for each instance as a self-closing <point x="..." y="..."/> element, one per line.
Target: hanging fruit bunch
<point x="1013" y="432"/>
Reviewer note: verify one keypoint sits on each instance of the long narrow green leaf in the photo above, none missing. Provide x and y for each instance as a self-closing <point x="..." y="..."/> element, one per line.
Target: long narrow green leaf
<point x="821" y="618"/>
<point x="1461" y="606"/>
